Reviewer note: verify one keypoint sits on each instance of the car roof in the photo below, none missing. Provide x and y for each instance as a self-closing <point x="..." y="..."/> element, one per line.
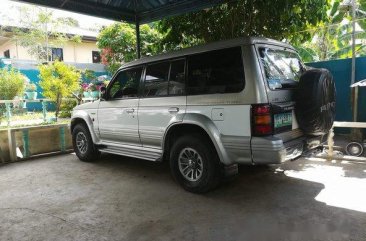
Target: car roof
<point x="206" y="47"/>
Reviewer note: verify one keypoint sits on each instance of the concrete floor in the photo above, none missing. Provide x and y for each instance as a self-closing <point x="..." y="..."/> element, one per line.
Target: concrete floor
<point x="117" y="198"/>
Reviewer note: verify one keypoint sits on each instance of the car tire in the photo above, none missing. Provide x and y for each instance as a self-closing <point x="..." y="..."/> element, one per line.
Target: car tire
<point x="315" y="102"/>
<point x="83" y="144"/>
<point x="194" y="164"/>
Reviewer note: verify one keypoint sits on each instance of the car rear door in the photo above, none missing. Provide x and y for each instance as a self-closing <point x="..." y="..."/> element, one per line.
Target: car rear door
<point x="163" y="100"/>
<point x="281" y="69"/>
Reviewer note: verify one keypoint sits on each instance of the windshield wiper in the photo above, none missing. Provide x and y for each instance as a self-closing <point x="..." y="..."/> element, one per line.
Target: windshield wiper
<point x="288" y="83"/>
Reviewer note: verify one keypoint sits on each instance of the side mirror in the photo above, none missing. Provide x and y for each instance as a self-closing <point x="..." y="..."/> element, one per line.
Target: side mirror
<point x="103" y="92"/>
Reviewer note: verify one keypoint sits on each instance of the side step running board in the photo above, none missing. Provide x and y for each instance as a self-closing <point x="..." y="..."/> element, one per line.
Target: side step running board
<point x="149" y="154"/>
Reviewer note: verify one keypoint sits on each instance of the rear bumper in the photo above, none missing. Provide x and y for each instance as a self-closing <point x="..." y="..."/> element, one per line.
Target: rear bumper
<point x="275" y="150"/>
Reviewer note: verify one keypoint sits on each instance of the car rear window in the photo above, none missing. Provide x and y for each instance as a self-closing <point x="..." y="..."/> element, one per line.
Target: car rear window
<point x="282" y="68"/>
<point x="218" y="71"/>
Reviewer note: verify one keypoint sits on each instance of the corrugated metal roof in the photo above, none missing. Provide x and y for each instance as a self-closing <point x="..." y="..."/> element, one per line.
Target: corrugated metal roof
<point x="132" y="11"/>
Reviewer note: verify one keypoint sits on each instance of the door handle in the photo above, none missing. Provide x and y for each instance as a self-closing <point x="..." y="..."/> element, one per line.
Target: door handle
<point x="130" y="110"/>
<point x="173" y="109"/>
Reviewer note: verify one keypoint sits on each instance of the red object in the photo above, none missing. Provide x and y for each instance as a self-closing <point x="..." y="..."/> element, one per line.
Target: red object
<point x="261" y="109"/>
<point x="261" y="120"/>
<point x="263" y="129"/>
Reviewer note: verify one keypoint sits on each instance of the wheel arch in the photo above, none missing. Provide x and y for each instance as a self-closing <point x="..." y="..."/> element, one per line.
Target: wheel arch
<point x="197" y="124"/>
<point x="84" y="118"/>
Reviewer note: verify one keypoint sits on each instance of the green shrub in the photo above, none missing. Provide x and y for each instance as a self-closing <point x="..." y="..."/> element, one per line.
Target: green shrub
<point x="66" y="107"/>
<point x="11" y="83"/>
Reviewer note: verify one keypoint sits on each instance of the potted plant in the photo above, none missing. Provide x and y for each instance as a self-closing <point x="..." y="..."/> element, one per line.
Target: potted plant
<point x="85" y="88"/>
<point x="31" y="91"/>
<point x="94" y="92"/>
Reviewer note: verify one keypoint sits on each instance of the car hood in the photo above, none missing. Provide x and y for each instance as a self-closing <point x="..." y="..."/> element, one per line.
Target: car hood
<point x="89" y="105"/>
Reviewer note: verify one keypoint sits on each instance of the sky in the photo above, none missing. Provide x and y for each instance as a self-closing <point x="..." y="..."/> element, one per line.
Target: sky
<point x="9" y="8"/>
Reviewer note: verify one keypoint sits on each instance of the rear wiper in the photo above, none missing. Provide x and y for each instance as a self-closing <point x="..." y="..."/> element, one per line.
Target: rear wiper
<point x="288" y="83"/>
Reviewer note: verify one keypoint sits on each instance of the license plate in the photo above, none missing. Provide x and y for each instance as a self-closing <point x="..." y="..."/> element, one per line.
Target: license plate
<point x="283" y="119"/>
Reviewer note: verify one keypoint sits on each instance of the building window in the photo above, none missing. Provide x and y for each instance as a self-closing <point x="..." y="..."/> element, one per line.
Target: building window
<point x="52" y="53"/>
<point x="57" y="54"/>
<point x="7" y="54"/>
<point x="96" y="57"/>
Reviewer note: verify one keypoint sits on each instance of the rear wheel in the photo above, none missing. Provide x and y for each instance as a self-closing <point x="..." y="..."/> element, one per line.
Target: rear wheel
<point x="83" y="144"/>
<point x="194" y="164"/>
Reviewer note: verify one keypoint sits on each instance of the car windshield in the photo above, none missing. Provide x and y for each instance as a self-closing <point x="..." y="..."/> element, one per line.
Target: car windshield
<point x="282" y="68"/>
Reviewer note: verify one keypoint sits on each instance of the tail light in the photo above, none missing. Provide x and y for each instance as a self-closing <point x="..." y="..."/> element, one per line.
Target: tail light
<point x="261" y="120"/>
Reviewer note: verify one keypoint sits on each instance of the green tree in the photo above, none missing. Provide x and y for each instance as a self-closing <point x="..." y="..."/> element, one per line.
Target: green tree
<point x="58" y="80"/>
<point x="40" y="31"/>
<point x="276" y="19"/>
<point x="11" y="83"/>
<point x="118" y="43"/>
<point x="332" y="37"/>
<point x="325" y="41"/>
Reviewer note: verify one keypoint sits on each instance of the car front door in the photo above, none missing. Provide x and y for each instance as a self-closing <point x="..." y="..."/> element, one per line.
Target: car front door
<point x="163" y="100"/>
<point x="117" y="114"/>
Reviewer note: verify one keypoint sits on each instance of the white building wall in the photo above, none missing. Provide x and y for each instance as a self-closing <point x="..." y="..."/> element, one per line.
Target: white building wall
<point x="73" y="52"/>
<point x="79" y="52"/>
<point x="11" y="46"/>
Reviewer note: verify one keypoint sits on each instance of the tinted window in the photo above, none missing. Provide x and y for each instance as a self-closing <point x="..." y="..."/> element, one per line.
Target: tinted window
<point x="156" y="79"/>
<point x="176" y="79"/>
<point x="219" y="71"/>
<point x="126" y="84"/>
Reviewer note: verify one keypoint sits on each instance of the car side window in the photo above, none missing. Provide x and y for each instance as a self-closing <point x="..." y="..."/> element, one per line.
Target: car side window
<point x="218" y="71"/>
<point x="156" y="80"/>
<point x="177" y="78"/>
<point x="126" y="84"/>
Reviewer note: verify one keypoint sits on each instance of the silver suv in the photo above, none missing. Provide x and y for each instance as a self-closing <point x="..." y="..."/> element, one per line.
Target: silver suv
<point x="209" y="108"/>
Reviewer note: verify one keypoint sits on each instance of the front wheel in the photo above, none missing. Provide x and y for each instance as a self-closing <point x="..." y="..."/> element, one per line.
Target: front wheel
<point x="194" y="164"/>
<point x="83" y="144"/>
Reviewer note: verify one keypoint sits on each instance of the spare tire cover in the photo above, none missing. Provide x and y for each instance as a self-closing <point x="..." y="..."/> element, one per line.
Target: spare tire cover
<point x="315" y="102"/>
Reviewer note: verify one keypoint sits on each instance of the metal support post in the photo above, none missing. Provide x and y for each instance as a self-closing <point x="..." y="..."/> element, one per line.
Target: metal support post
<point x="355" y="133"/>
<point x="138" y="39"/>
